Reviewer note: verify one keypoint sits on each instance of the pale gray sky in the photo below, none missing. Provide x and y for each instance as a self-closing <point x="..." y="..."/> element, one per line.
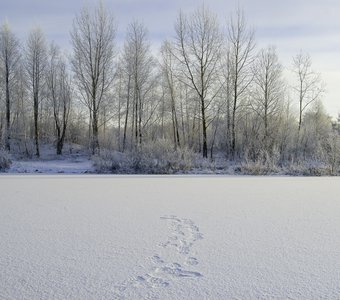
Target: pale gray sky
<point x="291" y="25"/>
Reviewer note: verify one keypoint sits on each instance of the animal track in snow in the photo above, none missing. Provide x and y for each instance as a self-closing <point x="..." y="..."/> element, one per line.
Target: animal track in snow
<point x="157" y="259"/>
<point x="191" y="261"/>
<point x="184" y="233"/>
<point x="150" y="281"/>
<point x="176" y="270"/>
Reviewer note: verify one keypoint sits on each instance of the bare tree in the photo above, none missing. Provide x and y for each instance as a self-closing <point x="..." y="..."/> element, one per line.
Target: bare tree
<point x="119" y="98"/>
<point x="35" y="63"/>
<point x="168" y="72"/>
<point x="139" y="65"/>
<point x="9" y="58"/>
<point x="127" y="69"/>
<point x="60" y="93"/>
<point x="268" y="89"/>
<point x="309" y="86"/>
<point x="21" y="109"/>
<point x="93" y="40"/>
<point x="241" y="45"/>
<point x="197" y="49"/>
<point x="315" y="131"/>
<point x="226" y="83"/>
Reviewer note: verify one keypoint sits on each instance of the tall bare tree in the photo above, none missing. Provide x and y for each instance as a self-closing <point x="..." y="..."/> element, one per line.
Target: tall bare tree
<point x="268" y="89"/>
<point x="127" y="71"/>
<point x="226" y="83"/>
<point x="198" y="45"/>
<point x="241" y="45"/>
<point x="309" y="86"/>
<point x="139" y="65"/>
<point x="93" y="39"/>
<point x="170" y="80"/>
<point x="9" y="58"/>
<point x="59" y="93"/>
<point x="35" y="63"/>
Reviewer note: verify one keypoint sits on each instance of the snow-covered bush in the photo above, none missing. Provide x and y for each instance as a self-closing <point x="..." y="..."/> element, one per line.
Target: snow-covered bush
<point x="158" y="157"/>
<point x="22" y="148"/>
<point x="265" y="163"/>
<point x="333" y="152"/>
<point x="110" y="162"/>
<point x="308" y="168"/>
<point x="5" y="161"/>
<point x="317" y="170"/>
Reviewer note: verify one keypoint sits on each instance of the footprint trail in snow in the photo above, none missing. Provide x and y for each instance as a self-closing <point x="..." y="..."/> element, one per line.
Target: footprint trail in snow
<point x="183" y="235"/>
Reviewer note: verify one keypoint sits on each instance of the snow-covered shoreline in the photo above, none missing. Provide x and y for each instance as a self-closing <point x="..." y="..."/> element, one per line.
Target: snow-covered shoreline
<point x="81" y="166"/>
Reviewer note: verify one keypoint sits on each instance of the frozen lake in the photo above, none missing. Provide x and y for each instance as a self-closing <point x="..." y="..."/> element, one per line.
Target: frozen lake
<point x="169" y="237"/>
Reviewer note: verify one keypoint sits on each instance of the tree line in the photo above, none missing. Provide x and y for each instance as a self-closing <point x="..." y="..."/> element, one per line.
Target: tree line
<point x="210" y="89"/>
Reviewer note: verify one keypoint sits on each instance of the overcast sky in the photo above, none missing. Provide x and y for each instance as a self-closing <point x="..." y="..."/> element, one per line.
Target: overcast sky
<point x="291" y="25"/>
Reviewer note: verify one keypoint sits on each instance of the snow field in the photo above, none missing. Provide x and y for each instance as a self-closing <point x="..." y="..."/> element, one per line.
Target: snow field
<point x="169" y="237"/>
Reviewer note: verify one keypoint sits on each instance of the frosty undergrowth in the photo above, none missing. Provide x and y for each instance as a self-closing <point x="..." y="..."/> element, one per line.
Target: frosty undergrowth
<point x="5" y="160"/>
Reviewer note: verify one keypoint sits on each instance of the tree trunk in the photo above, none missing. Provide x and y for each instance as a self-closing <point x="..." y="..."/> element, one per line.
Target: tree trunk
<point x="136" y="118"/>
<point x="233" y="133"/>
<point x="126" y="114"/>
<point x="300" y="108"/>
<point x="60" y="145"/>
<point x="8" y="112"/>
<point x="95" y="140"/>
<point x="119" y="115"/>
<point x="36" y="126"/>
<point x="233" y="125"/>
<point x="174" y="119"/>
<point x="58" y="134"/>
<point x="204" y="130"/>
<point x="140" y="119"/>
<point x="228" y="118"/>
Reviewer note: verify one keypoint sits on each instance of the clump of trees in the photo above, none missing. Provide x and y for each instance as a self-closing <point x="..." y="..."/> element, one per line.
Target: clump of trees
<point x="209" y="90"/>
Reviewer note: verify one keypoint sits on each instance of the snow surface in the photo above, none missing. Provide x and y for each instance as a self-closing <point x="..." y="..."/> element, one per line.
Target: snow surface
<point x="169" y="237"/>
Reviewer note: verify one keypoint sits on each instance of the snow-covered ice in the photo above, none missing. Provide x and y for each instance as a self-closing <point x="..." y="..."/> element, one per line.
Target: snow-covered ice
<point x="169" y="237"/>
